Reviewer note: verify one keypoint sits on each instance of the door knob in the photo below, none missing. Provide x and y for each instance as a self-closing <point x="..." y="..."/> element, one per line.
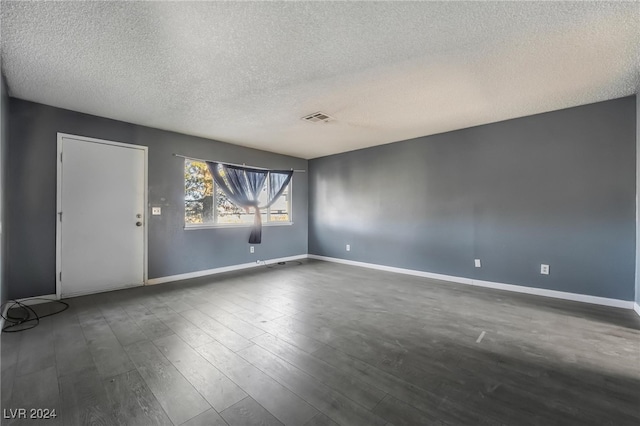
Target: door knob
<point x="138" y="223"/>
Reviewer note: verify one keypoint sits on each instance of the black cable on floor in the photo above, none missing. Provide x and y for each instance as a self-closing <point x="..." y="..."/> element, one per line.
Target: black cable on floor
<point x="29" y="315"/>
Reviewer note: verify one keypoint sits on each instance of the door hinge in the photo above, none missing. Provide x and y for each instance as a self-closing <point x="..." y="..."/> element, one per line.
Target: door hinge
<point x="61" y="157"/>
<point x="60" y="213"/>
<point x="60" y="275"/>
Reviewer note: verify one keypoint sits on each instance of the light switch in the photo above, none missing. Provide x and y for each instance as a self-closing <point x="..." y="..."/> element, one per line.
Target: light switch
<point x="156" y="211"/>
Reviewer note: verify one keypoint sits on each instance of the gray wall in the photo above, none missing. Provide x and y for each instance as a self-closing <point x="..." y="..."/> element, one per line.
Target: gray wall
<point x="555" y="188"/>
<point x="31" y="193"/>
<point x="637" y="197"/>
<point x="4" y="122"/>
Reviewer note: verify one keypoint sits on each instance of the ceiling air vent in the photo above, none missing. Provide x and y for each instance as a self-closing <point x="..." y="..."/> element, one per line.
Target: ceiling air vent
<point x="317" y="117"/>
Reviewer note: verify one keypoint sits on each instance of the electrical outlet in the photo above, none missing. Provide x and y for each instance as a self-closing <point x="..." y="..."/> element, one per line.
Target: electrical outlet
<point x="477" y="263"/>
<point x="156" y="211"/>
<point x="544" y="269"/>
<point x="348" y="247"/>
<point x="252" y="249"/>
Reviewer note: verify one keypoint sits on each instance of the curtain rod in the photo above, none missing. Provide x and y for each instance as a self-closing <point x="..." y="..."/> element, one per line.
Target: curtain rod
<point x="231" y="164"/>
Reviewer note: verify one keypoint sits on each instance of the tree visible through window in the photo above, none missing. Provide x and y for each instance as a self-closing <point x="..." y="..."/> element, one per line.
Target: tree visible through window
<point x="205" y="203"/>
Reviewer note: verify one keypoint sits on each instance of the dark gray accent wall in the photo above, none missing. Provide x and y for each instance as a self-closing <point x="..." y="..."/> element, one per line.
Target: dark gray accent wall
<point x="4" y="123"/>
<point x="31" y="193"/>
<point x="555" y="188"/>
<point x="637" y="298"/>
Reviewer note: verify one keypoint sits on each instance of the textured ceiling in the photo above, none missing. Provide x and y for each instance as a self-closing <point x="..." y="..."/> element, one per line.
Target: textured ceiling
<point x="245" y="72"/>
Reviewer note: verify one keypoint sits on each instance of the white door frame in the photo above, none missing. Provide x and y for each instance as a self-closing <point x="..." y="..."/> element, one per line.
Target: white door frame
<point x="145" y="150"/>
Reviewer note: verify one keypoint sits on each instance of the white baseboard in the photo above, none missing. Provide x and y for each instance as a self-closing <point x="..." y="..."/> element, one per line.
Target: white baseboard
<point x="39" y="299"/>
<point x="220" y="270"/>
<point x="394" y="269"/>
<point x="636" y="308"/>
<point x="36" y="300"/>
<point x="625" y="304"/>
<point x="4" y="314"/>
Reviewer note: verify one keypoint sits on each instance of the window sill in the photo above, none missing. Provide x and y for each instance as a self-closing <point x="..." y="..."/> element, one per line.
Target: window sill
<point x="230" y="225"/>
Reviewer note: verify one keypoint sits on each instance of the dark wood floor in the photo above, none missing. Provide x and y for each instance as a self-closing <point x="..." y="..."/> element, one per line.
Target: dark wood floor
<point x="325" y="344"/>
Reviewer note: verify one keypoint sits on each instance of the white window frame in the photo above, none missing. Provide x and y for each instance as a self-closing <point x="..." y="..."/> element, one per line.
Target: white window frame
<point x="195" y="226"/>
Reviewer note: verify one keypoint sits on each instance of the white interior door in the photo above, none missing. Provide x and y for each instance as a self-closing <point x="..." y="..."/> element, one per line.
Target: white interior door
<point x="101" y="197"/>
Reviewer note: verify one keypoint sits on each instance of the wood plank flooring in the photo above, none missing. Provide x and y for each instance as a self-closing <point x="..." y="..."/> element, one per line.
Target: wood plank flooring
<point x="325" y="344"/>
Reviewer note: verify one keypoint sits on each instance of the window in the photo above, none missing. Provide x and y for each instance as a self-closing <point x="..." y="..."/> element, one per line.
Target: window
<point x="206" y="204"/>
